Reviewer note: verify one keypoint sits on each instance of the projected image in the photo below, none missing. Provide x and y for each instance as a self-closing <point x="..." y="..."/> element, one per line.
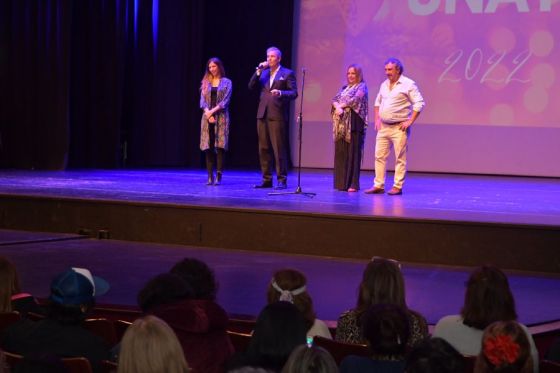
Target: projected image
<point x="478" y="62"/>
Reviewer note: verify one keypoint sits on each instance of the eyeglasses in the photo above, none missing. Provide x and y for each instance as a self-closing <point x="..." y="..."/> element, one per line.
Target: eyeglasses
<point x="393" y="261"/>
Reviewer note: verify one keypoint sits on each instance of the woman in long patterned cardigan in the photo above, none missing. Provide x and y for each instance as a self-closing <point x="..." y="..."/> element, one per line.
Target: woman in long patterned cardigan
<point x="215" y="94"/>
<point x="349" y="112"/>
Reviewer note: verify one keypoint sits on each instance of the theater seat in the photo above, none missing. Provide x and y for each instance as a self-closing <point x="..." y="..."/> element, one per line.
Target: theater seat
<point x="102" y="328"/>
<point x="73" y="364"/>
<point x="120" y="328"/>
<point x="547" y="366"/>
<point x="240" y="341"/>
<point x="7" y="319"/>
<point x="339" y="350"/>
<point x="108" y="366"/>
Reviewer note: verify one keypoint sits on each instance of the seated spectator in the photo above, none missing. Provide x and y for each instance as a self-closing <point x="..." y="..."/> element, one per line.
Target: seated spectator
<point x="11" y="296"/>
<point x="488" y="299"/>
<point x="434" y="355"/>
<point x="386" y="329"/>
<point x="279" y="329"/>
<point x="382" y="283"/>
<point x="61" y="334"/>
<point x="200" y="324"/>
<point x="505" y="348"/>
<point x="309" y="358"/>
<point x="150" y="346"/>
<point x="290" y="285"/>
<point x="199" y="276"/>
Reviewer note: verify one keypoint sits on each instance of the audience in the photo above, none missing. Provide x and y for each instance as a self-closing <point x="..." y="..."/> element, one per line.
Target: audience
<point x="435" y="355"/>
<point x="309" y="358"/>
<point x="61" y="334"/>
<point x="488" y="299"/>
<point x="184" y="323"/>
<point x="382" y="283"/>
<point x="150" y="346"/>
<point x="200" y="324"/>
<point x="11" y="296"/>
<point x="279" y="329"/>
<point x="386" y="330"/>
<point x="505" y="348"/>
<point x="290" y="285"/>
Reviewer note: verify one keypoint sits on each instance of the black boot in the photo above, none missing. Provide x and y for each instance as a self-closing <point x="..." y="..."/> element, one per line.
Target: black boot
<point x="210" y="178"/>
<point x="220" y="165"/>
<point x="210" y="162"/>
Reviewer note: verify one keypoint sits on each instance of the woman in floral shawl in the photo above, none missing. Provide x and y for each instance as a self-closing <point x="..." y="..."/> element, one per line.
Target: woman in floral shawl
<point x="349" y="112"/>
<point x="215" y="93"/>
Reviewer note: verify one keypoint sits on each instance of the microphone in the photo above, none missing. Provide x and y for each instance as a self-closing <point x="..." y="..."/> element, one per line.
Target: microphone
<point x="262" y="66"/>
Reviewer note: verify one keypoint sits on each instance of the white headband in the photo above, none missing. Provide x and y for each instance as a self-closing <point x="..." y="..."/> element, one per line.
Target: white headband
<point x="287" y="295"/>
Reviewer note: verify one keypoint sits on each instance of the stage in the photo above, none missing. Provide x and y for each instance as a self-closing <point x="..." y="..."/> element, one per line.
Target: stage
<point x="444" y="219"/>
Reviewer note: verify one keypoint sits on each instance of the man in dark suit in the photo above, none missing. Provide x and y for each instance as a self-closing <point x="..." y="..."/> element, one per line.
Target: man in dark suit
<point x="278" y="87"/>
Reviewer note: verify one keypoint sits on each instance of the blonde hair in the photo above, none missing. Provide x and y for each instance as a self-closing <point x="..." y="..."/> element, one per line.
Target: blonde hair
<point x="9" y="284"/>
<point x="150" y="345"/>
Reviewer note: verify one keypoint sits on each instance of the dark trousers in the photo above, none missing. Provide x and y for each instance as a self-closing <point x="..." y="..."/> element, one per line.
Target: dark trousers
<point x="272" y="142"/>
<point x="214" y="156"/>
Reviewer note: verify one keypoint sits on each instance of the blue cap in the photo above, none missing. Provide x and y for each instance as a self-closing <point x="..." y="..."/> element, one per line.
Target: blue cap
<point x="77" y="286"/>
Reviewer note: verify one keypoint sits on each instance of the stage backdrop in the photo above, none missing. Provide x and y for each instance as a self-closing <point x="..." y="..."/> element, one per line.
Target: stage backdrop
<point x="489" y="71"/>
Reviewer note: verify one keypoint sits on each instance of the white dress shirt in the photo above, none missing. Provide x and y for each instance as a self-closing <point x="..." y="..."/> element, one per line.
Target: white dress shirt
<point x="396" y="105"/>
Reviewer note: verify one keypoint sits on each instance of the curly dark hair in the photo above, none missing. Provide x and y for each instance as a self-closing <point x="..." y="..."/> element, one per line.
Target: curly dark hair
<point x="199" y="276"/>
<point x="163" y="289"/>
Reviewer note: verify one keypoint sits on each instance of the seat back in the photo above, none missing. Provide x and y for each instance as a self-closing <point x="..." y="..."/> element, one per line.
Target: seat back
<point x="240" y="341"/>
<point x="469" y="363"/>
<point x="545" y="339"/>
<point x="120" y="328"/>
<point x="241" y="325"/>
<point x="102" y="328"/>
<point x="7" y="319"/>
<point x="77" y="365"/>
<point x="108" y="366"/>
<point x="339" y="350"/>
<point x="547" y="366"/>
<point x="72" y="364"/>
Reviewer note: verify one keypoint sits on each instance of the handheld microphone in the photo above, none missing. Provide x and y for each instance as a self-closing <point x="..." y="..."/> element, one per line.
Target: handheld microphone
<point x="262" y="66"/>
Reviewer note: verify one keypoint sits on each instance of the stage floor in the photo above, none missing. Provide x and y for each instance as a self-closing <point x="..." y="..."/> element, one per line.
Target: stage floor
<point x="449" y="197"/>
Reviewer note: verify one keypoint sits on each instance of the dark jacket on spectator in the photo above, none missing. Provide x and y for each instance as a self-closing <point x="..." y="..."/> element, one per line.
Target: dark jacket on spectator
<point x="201" y="327"/>
<point x="48" y="336"/>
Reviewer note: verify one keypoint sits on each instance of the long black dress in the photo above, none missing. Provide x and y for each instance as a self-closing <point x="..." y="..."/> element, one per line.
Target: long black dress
<point x="348" y="156"/>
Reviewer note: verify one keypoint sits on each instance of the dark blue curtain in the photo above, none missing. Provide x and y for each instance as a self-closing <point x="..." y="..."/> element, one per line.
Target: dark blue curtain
<point x="114" y="83"/>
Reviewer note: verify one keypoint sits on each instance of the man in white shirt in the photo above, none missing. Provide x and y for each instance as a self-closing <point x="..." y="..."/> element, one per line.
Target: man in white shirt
<point x="397" y="105"/>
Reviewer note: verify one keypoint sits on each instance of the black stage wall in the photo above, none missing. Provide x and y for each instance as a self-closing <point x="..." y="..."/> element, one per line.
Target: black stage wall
<point x="114" y="83"/>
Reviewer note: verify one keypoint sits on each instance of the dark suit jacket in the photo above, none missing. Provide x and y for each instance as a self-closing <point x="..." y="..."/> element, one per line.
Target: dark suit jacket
<point x="270" y="106"/>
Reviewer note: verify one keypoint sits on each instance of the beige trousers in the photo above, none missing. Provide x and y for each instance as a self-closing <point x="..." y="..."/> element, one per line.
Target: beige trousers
<point x="389" y="136"/>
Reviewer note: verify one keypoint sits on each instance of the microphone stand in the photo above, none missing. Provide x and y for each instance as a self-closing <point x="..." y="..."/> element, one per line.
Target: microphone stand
<point x="300" y="122"/>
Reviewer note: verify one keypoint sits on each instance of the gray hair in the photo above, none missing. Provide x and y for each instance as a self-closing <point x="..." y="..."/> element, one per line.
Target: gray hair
<point x="274" y="49"/>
